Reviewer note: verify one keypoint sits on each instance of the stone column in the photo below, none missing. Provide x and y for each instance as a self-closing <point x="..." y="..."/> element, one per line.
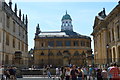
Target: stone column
<point x="0" y="58"/>
<point x="112" y="55"/>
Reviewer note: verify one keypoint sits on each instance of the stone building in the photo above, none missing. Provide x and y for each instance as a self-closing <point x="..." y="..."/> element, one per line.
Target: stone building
<point x="13" y="35"/>
<point x="106" y="35"/>
<point x="63" y="47"/>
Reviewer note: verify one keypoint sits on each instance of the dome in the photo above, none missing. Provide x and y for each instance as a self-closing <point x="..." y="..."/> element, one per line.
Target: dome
<point x="66" y="17"/>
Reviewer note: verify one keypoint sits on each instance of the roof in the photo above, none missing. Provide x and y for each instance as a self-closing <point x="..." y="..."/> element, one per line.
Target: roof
<point x="66" y="17"/>
<point x="99" y="17"/>
<point x="50" y="34"/>
<point x="53" y="33"/>
<point x="60" y="34"/>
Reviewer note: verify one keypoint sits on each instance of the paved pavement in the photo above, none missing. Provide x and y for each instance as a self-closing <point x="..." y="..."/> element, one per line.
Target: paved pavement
<point x="42" y="78"/>
<point x="37" y="78"/>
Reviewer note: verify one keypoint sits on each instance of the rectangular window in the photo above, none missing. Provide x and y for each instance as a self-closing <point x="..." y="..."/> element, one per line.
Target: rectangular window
<point x="42" y="44"/>
<point x="109" y="35"/>
<point x="22" y="46"/>
<point x="19" y="31"/>
<point x="118" y="32"/>
<point x="58" y="43"/>
<point x="51" y="43"/>
<point x="67" y="43"/>
<point x="82" y="43"/>
<point x="13" y="42"/>
<point x="87" y="44"/>
<point x="7" y="39"/>
<point x="113" y="34"/>
<point x="13" y="26"/>
<point x="23" y="33"/>
<point x="8" y="21"/>
<point x="75" y="43"/>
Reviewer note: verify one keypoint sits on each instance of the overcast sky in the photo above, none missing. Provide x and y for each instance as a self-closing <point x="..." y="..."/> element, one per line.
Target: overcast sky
<point x="49" y="15"/>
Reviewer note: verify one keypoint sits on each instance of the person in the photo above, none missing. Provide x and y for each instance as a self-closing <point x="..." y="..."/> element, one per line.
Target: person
<point x="104" y="74"/>
<point x="74" y="73"/>
<point x="6" y="72"/>
<point x="12" y="73"/>
<point x="3" y="76"/>
<point x="113" y="72"/>
<point x="67" y="74"/>
<point x="62" y="73"/>
<point x="48" y="72"/>
<point x="90" y="72"/>
<point x="99" y="76"/>
<point x="57" y="72"/>
<point x="84" y="69"/>
<point x="80" y="74"/>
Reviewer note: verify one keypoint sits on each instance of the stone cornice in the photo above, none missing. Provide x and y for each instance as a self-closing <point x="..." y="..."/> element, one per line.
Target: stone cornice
<point x="62" y="48"/>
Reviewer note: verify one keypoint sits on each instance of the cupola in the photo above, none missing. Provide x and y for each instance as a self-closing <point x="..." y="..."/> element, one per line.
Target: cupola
<point x="66" y="23"/>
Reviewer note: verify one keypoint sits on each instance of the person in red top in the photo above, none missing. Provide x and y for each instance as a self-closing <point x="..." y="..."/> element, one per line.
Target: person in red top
<point x="114" y="72"/>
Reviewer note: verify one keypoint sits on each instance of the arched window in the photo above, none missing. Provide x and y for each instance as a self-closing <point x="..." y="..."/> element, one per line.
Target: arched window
<point x="83" y="53"/>
<point x="66" y="53"/>
<point x="59" y="54"/>
<point x="76" y="53"/>
<point x="42" y="54"/>
<point x="50" y="54"/>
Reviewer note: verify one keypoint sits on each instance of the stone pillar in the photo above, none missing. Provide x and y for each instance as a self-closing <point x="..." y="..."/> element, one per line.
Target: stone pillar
<point x="112" y="55"/>
<point x="0" y="58"/>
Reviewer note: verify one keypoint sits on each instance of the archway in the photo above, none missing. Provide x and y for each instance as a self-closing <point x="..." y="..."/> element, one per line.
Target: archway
<point x="67" y="57"/>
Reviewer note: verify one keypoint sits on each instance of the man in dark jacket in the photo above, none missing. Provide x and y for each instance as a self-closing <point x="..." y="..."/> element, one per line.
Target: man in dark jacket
<point x="74" y="73"/>
<point x="12" y="73"/>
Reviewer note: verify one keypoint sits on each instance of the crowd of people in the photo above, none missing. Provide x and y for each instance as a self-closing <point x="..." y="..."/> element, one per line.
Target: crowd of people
<point x="9" y="73"/>
<point x="73" y="72"/>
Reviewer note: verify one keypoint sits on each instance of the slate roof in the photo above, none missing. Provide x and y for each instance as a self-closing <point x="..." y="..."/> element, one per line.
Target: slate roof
<point x="52" y="34"/>
<point x="60" y="34"/>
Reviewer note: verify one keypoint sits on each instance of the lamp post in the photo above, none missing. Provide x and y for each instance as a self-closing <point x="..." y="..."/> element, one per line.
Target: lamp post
<point x="32" y="59"/>
<point x="107" y="46"/>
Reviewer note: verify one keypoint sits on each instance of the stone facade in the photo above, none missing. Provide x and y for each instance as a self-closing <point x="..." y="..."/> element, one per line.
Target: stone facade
<point x="61" y="48"/>
<point x="106" y="35"/>
<point x="13" y="35"/>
